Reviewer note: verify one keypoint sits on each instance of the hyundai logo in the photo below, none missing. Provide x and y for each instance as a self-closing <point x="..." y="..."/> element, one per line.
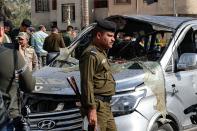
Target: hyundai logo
<point x="46" y="124"/>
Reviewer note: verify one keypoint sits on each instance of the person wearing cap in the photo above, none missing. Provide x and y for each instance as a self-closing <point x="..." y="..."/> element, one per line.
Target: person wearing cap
<point x="27" y="51"/>
<point x="37" y="41"/>
<point x="13" y="67"/>
<point x="25" y="24"/>
<point x="97" y="82"/>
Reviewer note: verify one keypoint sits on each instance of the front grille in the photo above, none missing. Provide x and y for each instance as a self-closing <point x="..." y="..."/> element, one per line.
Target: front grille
<point x="66" y="120"/>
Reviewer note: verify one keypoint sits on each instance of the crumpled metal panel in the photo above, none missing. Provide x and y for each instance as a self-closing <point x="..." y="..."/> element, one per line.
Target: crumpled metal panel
<point x="52" y="80"/>
<point x="154" y="79"/>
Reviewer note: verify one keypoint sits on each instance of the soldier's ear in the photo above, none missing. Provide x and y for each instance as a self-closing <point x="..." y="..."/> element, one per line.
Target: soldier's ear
<point x="98" y="35"/>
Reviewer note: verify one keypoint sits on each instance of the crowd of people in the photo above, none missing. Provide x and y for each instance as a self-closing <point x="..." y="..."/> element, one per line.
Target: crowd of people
<point x="22" y="51"/>
<point x="38" y="46"/>
<point x="27" y="50"/>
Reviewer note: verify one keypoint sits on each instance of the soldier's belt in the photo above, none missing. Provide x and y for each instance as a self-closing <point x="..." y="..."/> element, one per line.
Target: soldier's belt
<point x="103" y="98"/>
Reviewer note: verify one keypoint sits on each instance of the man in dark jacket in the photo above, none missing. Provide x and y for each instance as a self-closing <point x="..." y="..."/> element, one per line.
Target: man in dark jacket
<point x="54" y="41"/>
<point x="13" y="72"/>
<point x="52" y="45"/>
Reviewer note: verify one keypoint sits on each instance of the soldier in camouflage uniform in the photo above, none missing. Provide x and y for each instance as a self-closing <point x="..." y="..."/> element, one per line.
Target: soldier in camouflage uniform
<point x="27" y="51"/>
<point x="97" y="82"/>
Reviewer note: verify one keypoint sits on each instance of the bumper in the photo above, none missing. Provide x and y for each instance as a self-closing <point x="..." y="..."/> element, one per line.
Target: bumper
<point x="131" y="122"/>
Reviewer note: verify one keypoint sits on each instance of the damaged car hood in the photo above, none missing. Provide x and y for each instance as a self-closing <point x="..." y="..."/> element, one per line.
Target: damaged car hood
<point x="51" y="80"/>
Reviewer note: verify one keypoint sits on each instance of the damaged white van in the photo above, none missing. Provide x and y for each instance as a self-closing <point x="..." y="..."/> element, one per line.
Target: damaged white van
<point x="155" y="72"/>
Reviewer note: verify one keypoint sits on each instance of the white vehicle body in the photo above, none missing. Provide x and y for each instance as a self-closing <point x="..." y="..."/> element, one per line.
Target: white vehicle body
<point x="134" y="105"/>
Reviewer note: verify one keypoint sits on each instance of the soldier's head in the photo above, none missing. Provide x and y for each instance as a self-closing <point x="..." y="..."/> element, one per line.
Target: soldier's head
<point x="1" y="30"/>
<point x="23" y="39"/>
<point x="103" y="34"/>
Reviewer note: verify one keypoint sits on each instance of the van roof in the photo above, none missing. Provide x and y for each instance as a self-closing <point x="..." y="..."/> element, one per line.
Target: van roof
<point x="166" y="21"/>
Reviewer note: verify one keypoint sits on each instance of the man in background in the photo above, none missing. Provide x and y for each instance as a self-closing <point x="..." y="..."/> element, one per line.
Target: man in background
<point x="37" y="41"/>
<point x="68" y="36"/>
<point x="8" y="29"/>
<point x="27" y="51"/>
<point x="25" y="24"/>
<point x="52" y="44"/>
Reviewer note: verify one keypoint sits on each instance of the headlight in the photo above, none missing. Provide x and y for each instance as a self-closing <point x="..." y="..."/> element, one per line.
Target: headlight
<point x="125" y="103"/>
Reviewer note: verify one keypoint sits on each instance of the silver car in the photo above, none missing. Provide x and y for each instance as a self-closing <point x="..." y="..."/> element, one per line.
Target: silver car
<point x="155" y="70"/>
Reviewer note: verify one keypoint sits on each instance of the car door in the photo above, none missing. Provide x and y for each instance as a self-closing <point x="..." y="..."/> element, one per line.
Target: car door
<point x="181" y="85"/>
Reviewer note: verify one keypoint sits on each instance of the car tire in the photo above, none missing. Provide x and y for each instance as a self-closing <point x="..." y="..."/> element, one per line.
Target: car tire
<point x="162" y="127"/>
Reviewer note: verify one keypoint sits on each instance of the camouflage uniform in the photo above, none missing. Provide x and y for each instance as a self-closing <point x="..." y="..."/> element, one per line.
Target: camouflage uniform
<point x="31" y="58"/>
<point x="97" y="83"/>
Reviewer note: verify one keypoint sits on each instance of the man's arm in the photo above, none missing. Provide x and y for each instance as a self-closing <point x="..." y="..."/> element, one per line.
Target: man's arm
<point x="87" y="70"/>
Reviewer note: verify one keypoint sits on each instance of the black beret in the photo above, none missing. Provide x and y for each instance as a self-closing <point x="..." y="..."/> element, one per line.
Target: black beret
<point x="26" y="23"/>
<point x="107" y="25"/>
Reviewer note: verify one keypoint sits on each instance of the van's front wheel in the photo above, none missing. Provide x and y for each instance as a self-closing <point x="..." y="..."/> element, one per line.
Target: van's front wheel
<point x="162" y="127"/>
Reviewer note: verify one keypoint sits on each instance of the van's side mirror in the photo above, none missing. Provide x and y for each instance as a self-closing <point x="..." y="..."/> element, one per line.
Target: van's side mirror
<point x="187" y="61"/>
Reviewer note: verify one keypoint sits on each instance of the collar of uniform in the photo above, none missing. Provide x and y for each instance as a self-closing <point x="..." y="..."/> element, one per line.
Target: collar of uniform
<point x="25" y="47"/>
<point x="99" y="49"/>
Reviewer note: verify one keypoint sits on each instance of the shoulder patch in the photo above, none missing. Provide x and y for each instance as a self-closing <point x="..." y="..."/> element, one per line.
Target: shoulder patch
<point x="93" y="51"/>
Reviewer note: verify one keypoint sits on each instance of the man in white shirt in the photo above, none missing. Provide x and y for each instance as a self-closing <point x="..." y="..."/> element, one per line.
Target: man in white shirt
<point x="37" y="42"/>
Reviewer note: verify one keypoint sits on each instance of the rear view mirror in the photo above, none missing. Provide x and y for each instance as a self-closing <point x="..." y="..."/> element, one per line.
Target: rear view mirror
<point x="187" y="61"/>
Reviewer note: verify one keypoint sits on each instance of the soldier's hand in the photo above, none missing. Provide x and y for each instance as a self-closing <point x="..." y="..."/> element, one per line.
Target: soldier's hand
<point x="92" y="117"/>
<point x="21" y="51"/>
